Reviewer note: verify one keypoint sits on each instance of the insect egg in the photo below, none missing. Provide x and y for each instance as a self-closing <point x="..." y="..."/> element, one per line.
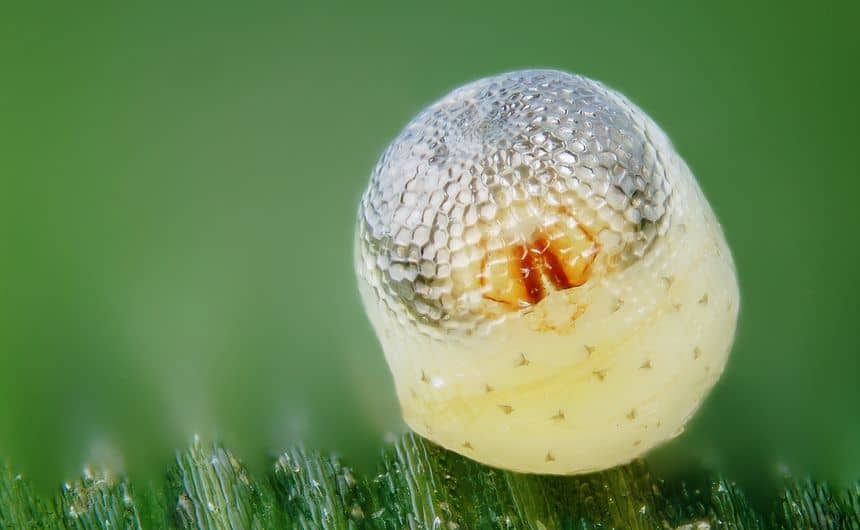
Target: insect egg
<point x="550" y="287"/>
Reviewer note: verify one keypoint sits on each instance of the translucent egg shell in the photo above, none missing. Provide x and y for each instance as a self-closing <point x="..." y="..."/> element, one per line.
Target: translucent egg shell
<point x="550" y="287"/>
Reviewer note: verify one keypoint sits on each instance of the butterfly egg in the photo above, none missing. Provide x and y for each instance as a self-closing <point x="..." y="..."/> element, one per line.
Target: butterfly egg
<point x="550" y="287"/>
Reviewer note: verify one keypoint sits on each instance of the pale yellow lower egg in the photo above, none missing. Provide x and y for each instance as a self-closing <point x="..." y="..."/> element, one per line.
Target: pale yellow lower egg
<point x="588" y="378"/>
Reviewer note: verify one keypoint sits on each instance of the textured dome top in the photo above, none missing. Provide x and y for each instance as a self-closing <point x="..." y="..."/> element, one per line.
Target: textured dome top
<point x="505" y="190"/>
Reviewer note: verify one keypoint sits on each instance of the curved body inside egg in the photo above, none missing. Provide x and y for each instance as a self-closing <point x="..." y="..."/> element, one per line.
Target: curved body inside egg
<point x="550" y="287"/>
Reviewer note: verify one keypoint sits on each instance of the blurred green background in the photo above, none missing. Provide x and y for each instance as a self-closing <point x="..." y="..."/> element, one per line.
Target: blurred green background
<point x="178" y="187"/>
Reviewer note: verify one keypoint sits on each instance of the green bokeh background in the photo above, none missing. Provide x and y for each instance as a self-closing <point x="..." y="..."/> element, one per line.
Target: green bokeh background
<point x="178" y="187"/>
